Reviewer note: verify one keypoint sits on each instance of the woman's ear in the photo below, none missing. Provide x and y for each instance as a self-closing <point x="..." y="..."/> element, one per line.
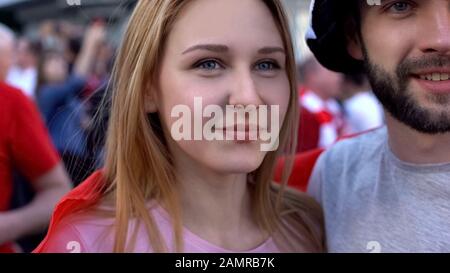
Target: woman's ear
<point x="150" y="103"/>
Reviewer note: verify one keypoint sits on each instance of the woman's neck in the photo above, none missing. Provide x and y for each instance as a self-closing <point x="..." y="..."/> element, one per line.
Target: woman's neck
<point x="218" y="208"/>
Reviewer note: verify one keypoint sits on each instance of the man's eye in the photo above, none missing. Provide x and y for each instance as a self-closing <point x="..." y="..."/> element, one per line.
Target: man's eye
<point x="208" y="65"/>
<point x="400" y="7"/>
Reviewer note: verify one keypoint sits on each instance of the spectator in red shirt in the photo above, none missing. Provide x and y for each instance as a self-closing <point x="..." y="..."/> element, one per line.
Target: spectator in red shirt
<point x="26" y="147"/>
<point x="321" y="120"/>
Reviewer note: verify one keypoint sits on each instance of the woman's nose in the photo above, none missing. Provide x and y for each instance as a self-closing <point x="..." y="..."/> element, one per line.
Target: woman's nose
<point x="244" y="90"/>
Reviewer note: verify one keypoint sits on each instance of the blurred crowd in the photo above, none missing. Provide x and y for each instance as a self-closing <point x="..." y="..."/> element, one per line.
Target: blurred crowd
<point x="333" y="106"/>
<point x="65" y="71"/>
<point x="51" y="86"/>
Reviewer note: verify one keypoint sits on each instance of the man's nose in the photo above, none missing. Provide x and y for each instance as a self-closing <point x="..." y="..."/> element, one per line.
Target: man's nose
<point x="435" y="30"/>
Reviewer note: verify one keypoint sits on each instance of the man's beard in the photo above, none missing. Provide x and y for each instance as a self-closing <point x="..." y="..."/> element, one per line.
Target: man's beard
<point x="399" y="101"/>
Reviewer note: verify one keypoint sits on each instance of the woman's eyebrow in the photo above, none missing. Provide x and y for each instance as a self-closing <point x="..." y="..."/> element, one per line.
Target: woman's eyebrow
<point x="270" y="50"/>
<point x="210" y="47"/>
<point x="223" y="48"/>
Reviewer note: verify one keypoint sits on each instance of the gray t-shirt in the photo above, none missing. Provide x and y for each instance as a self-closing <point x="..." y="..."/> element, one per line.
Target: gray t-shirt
<point x="374" y="202"/>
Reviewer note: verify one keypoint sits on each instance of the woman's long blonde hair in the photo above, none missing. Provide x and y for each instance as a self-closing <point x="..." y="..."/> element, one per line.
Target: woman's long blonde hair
<point x="138" y="165"/>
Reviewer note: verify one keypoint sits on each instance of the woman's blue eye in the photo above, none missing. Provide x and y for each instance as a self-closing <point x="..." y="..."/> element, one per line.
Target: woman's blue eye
<point x="209" y="65"/>
<point x="266" y="66"/>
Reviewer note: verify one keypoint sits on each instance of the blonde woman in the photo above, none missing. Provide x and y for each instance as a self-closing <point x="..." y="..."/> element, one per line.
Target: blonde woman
<point x="158" y="194"/>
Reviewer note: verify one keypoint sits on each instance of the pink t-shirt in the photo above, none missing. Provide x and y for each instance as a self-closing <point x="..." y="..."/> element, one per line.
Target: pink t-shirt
<point x="88" y="233"/>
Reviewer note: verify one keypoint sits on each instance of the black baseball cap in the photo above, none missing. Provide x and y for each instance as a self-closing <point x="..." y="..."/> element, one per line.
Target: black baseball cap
<point x="326" y="36"/>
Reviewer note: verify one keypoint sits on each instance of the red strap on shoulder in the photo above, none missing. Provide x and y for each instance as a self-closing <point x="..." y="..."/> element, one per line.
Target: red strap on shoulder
<point x="83" y="196"/>
<point x="303" y="166"/>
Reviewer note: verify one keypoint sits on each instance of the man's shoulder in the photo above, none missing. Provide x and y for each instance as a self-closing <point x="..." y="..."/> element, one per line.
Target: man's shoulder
<point x="356" y="150"/>
<point x="349" y="164"/>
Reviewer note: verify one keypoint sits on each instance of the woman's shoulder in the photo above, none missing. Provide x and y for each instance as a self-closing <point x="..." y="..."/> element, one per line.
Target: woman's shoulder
<point x="92" y="230"/>
<point x="302" y="223"/>
<point x="82" y="232"/>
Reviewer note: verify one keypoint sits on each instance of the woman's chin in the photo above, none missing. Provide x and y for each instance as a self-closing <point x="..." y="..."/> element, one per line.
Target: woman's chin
<point x="225" y="158"/>
<point x="238" y="165"/>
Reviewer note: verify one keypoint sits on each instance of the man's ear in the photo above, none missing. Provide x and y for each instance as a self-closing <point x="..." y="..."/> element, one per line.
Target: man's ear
<point x="353" y="39"/>
<point x="150" y="103"/>
<point x="354" y="47"/>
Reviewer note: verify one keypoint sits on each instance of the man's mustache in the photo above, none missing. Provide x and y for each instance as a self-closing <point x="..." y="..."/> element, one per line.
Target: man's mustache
<point x="416" y="65"/>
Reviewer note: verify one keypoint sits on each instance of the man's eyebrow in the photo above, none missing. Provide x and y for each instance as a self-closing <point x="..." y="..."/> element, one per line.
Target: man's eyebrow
<point x="270" y="50"/>
<point x="210" y="47"/>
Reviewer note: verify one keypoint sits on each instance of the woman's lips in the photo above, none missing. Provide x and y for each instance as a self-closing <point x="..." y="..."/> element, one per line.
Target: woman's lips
<point x="245" y="133"/>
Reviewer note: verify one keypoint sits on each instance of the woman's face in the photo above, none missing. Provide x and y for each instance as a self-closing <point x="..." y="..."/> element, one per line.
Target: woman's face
<point x="224" y="52"/>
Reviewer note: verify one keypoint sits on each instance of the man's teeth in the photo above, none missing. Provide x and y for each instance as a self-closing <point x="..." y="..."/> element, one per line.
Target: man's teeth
<point x="436" y="77"/>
